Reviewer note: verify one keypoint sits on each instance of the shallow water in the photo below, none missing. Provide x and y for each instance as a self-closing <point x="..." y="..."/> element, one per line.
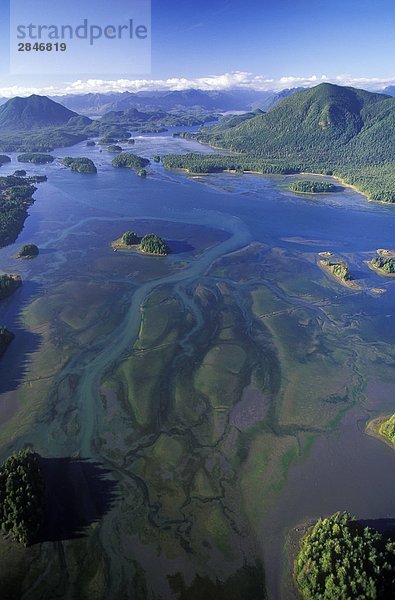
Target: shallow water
<point x="239" y="303"/>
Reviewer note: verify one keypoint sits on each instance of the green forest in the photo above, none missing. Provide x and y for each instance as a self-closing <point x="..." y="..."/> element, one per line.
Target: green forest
<point x="387" y="429"/>
<point x="37" y="158"/>
<point x="79" y="165"/>
<point x="21" y="496"/>
<point x="153" y="244"/>
<point x="312" y="187"/>
<point x="341" y="559"/>
<point x="16" y="195"/>
<point x="130" y="161"/>
<point x="384" y="263"/>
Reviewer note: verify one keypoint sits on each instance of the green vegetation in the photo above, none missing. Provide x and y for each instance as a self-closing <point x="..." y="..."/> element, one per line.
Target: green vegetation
<point x="4" y="159"/>
<point x="130" y="238"/>
<point x="153" y="244"/>
<point x="149" y="244"/>
<point x="338" y="268"/>
<point x="8" y="284"/>
<point x="21" y="496"/>
<point x="130" y="161"/>
<point x="16" y="195"/>
<point x="6" y="338"/>
<point x="28" y="251"/>
<point x="387" y="429"/>
<point x="312" y="187"/>
<point x="327" y="129"/>
<point x="156" y="158"/>
<point x="114" y="148"/>
<point x="215" y="163"/>
<point x="339" y="558"/>
<point x="20" y="173"/>
<point x="80" y="165"/>
<point x="37" y="158"/>
<point x="384" y="263"/>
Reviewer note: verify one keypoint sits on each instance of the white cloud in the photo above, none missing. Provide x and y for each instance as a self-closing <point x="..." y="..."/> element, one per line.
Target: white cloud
<point x="226" y="81"/>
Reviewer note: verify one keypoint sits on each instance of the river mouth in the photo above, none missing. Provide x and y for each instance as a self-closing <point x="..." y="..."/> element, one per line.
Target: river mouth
<point x="212" y="387"/>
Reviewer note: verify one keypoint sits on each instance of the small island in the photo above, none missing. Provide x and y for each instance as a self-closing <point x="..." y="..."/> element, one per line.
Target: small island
<point x="28" y="251"/>
<point x="9" y="283"/>
<point x="20" y="173"/>
<point x="21" y="496"/>
<point x="36" y="158"/>
<point x="157" y="158"/>
<point x="383" y="262"/>
<point x="150" y="244"/>
<point x="80" y="164"/>
<point x="383" y="428"/>
<point x="114" y="148"/>
<point x="307" y="186"/>
<point x="338" y="268"/>
<point x="4" y="159"/>
<point x="340" y="558"/>
<point x="126" y="160"/>
<point x="6" y="338"/>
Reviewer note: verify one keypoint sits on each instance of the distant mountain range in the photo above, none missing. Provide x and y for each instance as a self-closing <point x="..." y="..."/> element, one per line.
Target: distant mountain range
<point x="32" y="113"/>
<point x="190" y="100"/>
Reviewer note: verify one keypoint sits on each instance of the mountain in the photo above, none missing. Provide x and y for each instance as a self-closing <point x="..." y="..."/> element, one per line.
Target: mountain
<point x="33" y="112"/>
<point x="390" y="90"/>
<point x="327" y="122"/>
<point x="191" y="100"/>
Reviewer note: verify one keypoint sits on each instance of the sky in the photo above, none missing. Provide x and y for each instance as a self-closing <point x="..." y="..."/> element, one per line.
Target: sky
<point x="209" y="44"/>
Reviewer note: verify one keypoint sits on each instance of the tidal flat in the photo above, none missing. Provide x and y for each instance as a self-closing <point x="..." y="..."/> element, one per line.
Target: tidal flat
<point x="193" y="408"/>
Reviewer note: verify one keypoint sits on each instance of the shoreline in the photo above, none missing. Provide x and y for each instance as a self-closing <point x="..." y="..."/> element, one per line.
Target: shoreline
<point x="338" y="178"/>
<point x="350" y="284"/>
<point x="133" y="248"/>
<point x="372" y="428"/>
<point x="378" y="270"/>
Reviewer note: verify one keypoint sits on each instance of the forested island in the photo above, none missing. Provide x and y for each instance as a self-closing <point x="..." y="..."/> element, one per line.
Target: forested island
<point x="36" y="158"/>
<point x="79" y="164"/>
<point x="21" y="496"/>
<point x="6" y="338"/>
<point x="217" y="163"/>
<point x="28" y="251"/>
<point x="114" y="148"/>
<point x="131" y="161"/>
<point x="384" y="263"/>
<point x="307" y="186"/>
<point x="9" y="283"/>
<point x="16" y="195"/>
<point x="341" y="559"/>
<point x="150" y="244"/>
<point x="338" y="268"/>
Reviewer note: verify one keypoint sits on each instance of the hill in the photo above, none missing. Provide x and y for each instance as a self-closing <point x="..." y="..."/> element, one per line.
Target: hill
<point x="324" y="129"/>
<point x="33" y="112"/>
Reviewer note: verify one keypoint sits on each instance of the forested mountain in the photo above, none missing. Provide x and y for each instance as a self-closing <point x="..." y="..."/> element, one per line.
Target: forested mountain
<point x="33" y="112"/>
<point x="327" y="122"/>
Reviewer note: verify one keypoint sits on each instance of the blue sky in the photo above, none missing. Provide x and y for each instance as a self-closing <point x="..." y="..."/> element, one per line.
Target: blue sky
<point x="219" y="43"/>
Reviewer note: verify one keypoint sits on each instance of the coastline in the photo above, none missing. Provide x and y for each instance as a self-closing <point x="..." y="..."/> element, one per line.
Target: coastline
<point x="351" y="284"/>
<point x="136" y="248"/>
<point x="339" y="179"/>
<point x="373" y="429"/>
<point x="378" y="270"/>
